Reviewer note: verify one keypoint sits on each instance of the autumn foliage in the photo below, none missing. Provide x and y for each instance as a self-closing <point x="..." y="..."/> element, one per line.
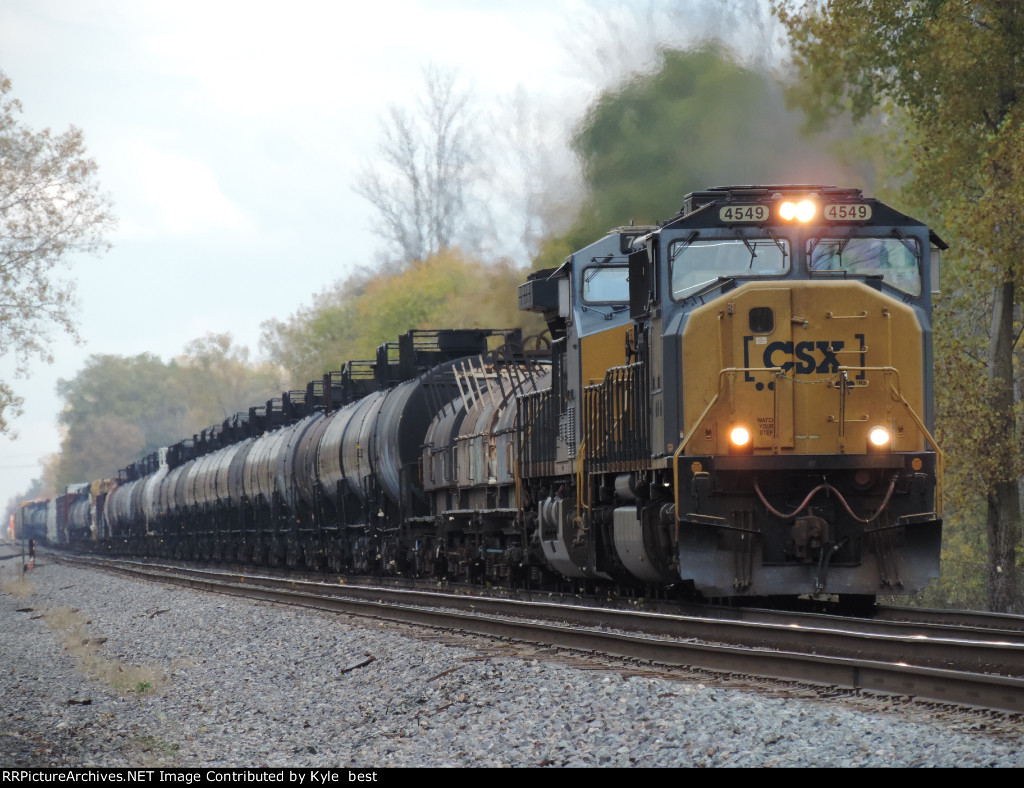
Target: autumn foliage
<point x="352" y="317"/>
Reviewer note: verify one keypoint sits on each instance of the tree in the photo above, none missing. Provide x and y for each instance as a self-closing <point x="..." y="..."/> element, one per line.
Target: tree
<point x="50" y="210"/>
<point x="115" y="409"/>
<point x="120" y="408"/>
<point x="219" y="379"/>
<point x="699" y="120"/>
<point x="611" y="40"/>
<point x="446" y="290"/>
<point x="946" y="74"/>
<point x="533" y="181"/>
<point x="320" y="337"/>
<point x="421" y="191"/>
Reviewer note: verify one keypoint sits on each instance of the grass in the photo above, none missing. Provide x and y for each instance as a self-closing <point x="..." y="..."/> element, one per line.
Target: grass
<point x="130" y="679"/>
<point x="156" y="746"/>
<point x="17" y="587"/>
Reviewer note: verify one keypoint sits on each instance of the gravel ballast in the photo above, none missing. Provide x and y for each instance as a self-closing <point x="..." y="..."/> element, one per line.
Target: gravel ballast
<point x="99" y="670"/>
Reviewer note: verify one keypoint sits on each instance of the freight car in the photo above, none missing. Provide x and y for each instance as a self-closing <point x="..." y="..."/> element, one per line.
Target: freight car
<point x="71" y="517"/>
<point x="36" y="520"/>
<point x="737" y="402"/>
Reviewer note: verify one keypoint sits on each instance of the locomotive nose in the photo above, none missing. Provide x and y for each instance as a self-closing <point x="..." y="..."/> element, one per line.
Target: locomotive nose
<point x="832" y="376"/>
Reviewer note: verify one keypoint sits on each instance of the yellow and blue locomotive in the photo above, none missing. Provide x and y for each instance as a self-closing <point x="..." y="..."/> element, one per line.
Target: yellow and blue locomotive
<point x="736" y="403"/>
<point x="741" y="400"/>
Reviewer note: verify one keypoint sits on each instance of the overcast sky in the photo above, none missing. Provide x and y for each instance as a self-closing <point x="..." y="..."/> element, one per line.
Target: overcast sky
<point x="229" y="135"/>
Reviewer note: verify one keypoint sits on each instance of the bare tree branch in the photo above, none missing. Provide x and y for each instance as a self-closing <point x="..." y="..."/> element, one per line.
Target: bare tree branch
<point x="420" y="187"/>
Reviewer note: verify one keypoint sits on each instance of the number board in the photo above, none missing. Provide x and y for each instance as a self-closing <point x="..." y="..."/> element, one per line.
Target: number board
<point x="847" y="212"/>
<point x="743" y="213"/>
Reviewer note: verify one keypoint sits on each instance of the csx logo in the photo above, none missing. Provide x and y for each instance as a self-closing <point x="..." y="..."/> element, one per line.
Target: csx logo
<point x="810" y="357"/>
<point x="802" y="358"/>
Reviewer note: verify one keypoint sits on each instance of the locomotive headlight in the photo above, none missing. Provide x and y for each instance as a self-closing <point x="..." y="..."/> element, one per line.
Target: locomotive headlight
<point x="879" y="437"/>
<point x="802" y="211"/>
<point x="739" y="436"/>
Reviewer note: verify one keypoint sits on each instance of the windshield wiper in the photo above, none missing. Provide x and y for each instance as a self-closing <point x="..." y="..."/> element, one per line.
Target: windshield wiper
<point x="753" y="252"/>
<point x="838" y="253"/>
<point x="911" y="246"/>
<point x="592" y="272"/>
<point x="817" y="239"/>
<point x="778" y="243"/>
<point x="843" y="244"/>
<point x="612" y="310"/>
<point x="679" y="246"/>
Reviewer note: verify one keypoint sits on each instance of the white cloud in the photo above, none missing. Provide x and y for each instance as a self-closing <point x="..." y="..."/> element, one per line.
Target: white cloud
<point x="253" y="58"/>
<point x="177" y="195"/>
<point x="341" y="58"/>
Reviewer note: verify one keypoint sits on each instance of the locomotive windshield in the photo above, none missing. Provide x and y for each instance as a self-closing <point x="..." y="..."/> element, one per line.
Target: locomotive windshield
<point x="700" y="262"/>
<point x="606" y="285"/>
<point x="896" y="260"/>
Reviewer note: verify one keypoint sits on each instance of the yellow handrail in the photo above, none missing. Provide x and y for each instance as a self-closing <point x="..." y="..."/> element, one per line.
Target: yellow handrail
<point x="939" y="457"/>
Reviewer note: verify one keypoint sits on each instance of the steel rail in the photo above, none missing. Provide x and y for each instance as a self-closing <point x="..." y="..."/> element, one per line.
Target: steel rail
<point x="976" y="620"/>
<point x="889" y="676"/>
<point x="922" y="644"/>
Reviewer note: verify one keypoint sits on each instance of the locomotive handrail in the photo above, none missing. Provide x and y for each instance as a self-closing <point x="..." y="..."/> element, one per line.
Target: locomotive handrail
<point x="689" y="436"/>
<point x="939" y="456"/>
<point x="939" y="464"/>
<point x="580" y="486"/>
<point x="700" y="420"/>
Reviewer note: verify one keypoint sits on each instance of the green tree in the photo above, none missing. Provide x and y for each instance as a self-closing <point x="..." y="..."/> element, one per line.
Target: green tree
<point x="447" y="290"/>
<point x="119" y="408"/>
<point x="115" y="409"/>
<point x="946" y="75"/>
<point x="700" y="120"/>
<point x="319" y="337"/>
<point x="50" y="210"/>
<point x="219" y="379"/>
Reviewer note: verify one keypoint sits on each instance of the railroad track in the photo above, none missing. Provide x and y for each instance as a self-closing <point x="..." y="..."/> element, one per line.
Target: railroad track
<point x="959" y="661"/>
<point x="10" y="551"/>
